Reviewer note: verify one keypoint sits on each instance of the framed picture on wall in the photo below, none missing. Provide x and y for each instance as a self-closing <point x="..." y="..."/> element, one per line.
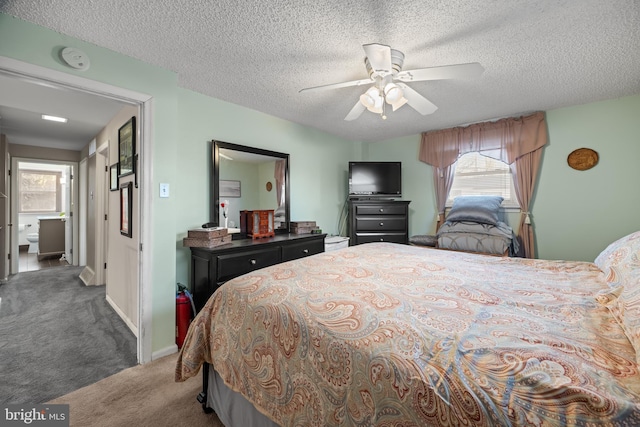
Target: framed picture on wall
<point x="113" y="177"/>
<point x="229" y="188"/>
<point x="127" y="148"/>
<point x="126" y="198"/>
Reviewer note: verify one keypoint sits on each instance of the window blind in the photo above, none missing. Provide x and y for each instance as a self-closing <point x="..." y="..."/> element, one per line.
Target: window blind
<point x="476" y="174"/>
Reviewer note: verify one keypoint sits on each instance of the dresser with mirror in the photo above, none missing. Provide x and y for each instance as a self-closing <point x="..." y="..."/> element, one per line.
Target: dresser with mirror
<point x="247" y="179"/>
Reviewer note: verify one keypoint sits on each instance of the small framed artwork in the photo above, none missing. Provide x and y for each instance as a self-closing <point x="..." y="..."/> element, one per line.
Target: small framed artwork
<point x="229" y="188"/>
<point x="127" y="148"/>
<point x="126" y="198"/>
<point x="113" y="177"/>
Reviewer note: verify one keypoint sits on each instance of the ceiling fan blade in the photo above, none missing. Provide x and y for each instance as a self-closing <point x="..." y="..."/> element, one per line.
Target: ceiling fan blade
<point x="338" y="85"/>
<point x="458" y="71"/>
<point x="416" y="101"/>
<point x="379" y="56"/>
<point x="355" y="111"/>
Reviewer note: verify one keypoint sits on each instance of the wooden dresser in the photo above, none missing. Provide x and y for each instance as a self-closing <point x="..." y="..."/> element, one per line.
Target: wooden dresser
<point x="378" y="221"/>
<point x="210" y="268"/>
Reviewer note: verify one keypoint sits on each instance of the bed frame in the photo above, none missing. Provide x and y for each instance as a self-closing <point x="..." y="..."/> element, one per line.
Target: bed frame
<point x="228" y="404"/>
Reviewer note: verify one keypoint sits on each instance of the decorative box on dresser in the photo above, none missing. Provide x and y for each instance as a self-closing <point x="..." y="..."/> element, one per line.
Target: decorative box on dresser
<point x="378" y="220"/>
<point x="210" y="268"/>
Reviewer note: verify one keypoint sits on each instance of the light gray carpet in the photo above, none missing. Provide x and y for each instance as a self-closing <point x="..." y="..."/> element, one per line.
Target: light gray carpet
<point x="143" y="396"/>
<point x="57" y="335"/>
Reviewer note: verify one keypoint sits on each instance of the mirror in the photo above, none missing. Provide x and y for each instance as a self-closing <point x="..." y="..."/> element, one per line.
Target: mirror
<point x="247" y="178"/>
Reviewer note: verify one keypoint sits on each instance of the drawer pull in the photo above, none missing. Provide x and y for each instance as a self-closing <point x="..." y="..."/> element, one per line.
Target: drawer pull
<point x="305" y="251"/>
<point x="381" y="210"/>
<point x="253" y="262"/>
<point x="381" y="224"/>
<point x="382" y="239"/>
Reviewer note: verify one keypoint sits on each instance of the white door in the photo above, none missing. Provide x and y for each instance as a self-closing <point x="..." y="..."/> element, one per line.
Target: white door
<point x="68" y="225"/>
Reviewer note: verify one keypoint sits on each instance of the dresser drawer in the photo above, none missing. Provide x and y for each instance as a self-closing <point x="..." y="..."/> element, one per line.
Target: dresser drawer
<point x="303" y="249"/>
<point x="380" y="237"/>
<point x="234" y="265"/>
<point x="381" y="209"/>
<point x="379" y="223"/>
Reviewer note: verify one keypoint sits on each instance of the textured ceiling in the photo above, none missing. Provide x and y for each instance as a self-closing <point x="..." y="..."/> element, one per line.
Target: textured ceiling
<point x="23" y="101"/>
<point x="537" y="55"/>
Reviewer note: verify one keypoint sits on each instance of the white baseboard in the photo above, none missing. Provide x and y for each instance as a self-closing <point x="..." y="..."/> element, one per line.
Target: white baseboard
<point x="124" y="318"/>
<point x="164" y="352"/>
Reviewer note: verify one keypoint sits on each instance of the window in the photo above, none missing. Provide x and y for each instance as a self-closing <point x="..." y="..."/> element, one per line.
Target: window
<point x="39" y="191"/>
<point x="476" y="174"/>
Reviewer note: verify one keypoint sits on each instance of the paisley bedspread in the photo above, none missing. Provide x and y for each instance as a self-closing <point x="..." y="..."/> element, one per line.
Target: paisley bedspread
<point x="394" y="335"/>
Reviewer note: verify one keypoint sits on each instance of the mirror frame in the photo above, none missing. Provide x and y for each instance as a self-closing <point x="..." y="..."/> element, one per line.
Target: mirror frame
<point x="215" y="181"/>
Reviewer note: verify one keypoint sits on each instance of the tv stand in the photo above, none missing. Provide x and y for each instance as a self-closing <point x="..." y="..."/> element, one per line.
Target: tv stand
<point x="378" y="220"/>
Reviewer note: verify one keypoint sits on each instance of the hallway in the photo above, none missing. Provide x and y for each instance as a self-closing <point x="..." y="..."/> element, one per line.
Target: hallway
<point x="29" y="262"/>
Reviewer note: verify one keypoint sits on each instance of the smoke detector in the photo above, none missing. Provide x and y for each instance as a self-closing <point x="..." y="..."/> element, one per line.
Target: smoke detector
<point x="75" y="58"/>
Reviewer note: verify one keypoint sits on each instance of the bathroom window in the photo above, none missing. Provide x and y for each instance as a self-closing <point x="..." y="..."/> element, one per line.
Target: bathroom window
<point x="40" y="191"/>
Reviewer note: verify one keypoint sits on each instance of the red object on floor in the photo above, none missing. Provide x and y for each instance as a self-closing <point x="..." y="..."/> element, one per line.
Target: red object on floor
<point x="183" y="317"/>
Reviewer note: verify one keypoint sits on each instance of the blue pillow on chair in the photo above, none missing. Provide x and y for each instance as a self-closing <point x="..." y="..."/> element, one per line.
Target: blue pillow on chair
<point x="483" y="209"/>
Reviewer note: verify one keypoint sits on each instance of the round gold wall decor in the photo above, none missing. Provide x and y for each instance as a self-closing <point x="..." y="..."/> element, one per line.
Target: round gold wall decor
<point x="582" y="159"/>
<point x="269" y="186"/>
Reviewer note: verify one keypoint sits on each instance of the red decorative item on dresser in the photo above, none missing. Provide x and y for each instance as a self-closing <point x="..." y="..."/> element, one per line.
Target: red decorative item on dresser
<point x="258" y="223"/>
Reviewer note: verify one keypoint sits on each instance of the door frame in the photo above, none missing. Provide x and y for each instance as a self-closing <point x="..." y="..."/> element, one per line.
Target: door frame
<point x="14" y="214"/>
<point x="145" y="105"/>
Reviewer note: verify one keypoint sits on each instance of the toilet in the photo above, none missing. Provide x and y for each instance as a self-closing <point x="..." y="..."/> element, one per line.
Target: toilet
<point x="32" y="238"/>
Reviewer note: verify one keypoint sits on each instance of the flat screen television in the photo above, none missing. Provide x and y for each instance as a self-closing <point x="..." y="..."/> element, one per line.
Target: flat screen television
<point x="375" y="179"/>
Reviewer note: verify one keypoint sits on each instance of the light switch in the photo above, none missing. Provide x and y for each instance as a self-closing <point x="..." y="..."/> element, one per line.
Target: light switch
<point x="164" y="190"/>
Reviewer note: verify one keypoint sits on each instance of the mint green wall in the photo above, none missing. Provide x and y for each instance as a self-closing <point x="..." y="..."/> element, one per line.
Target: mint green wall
<point x="318" y="163"/>
<point x="417" y="180"/>
<point x="578" y="213"/>
<point x="575" y="214"/>
<point x="183" y="124"/>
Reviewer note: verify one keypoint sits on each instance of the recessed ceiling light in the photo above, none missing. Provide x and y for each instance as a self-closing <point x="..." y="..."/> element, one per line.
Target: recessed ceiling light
<point x="54" y="118"/>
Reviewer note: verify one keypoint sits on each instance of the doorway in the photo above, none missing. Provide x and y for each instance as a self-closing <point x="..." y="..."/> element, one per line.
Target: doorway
<point x="50" y="77"/>
<point x="42" y="204"/>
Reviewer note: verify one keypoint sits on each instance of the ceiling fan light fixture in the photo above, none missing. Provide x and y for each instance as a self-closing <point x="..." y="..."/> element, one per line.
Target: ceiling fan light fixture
<point x="394" y="96"/>
<point x="368" y="99"/>
<point x="399" y="103"/>
<point x="378" y="104"/>
<point x="392" y="93"/>
<point x="372" y="99"/>
<point x="377" y="109"/>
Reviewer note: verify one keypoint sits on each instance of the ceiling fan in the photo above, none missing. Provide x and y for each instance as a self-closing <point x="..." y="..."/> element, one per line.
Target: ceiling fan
<point x="387" y="78"/>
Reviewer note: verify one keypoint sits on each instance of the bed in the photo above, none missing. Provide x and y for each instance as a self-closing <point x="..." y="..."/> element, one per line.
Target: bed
<point x="396" y="335"/>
